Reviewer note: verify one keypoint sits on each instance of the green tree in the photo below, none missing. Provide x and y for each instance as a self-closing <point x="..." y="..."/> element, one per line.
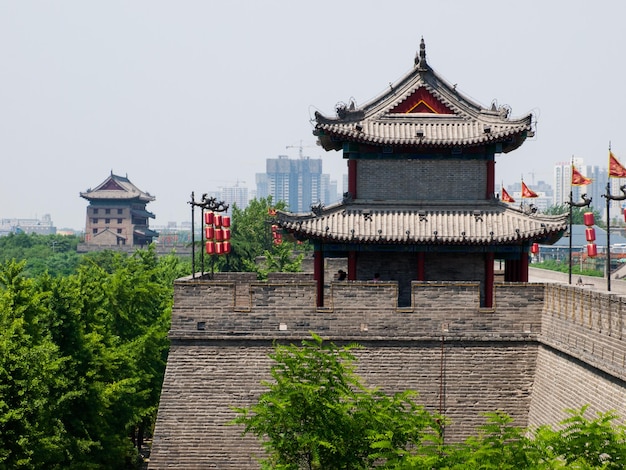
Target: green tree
<point x="55" y="254"/>
<point x="82" y="359"/>
<point x="318" y="414"/>
<point x="31" y="383"/>
<point x="577" y="214"/>
<point x="250" y="232"/>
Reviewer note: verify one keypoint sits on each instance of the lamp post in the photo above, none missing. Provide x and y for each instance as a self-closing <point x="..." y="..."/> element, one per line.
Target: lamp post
<point x="211" y="205"/>
<point x="610" y="198"/>
<point x="586" y="202"/>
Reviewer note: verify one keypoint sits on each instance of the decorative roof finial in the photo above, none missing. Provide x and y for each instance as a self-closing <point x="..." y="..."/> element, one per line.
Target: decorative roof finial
<point x="420" y="58"/>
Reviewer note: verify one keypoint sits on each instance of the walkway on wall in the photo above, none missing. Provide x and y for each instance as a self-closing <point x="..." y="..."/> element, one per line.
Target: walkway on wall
<point x="618" y="286"/>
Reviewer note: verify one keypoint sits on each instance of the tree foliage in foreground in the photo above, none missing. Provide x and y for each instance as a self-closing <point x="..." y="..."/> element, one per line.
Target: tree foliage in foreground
<point x="82" y="359"/>
<point x="318" y="414"/>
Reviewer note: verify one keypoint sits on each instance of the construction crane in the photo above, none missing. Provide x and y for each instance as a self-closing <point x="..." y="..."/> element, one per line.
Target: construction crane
<point x="299" y="147"/>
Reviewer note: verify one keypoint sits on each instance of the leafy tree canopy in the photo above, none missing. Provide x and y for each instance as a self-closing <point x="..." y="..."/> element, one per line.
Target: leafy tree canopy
<point x="318" y="414"/>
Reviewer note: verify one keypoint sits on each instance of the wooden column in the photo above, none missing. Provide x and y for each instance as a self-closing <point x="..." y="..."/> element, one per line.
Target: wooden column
<point x="318" y="275"/>
<point x="352" y="178"/>
<point x="511" y="270"/>
<point x="523" y="267"/>
<point x="351" y="265"/>
<point x="421" y="266"/>
<point x="489" y="274"/>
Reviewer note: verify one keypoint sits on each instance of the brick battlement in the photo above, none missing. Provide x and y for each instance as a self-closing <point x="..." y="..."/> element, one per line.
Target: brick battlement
<point x="541" y="349"/>
<point x="588" y="325"/>
<point x="355" y="309"/>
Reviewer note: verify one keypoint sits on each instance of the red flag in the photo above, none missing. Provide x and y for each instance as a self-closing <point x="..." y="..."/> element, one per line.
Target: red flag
<point x="527" y="192"/>
<point x="506" y="197"/>
<point x="578" y="179"/>
<point x="616" y="169"/>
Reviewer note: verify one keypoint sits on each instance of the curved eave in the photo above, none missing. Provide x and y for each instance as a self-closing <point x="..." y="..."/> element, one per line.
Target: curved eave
<point x="487" y="225"/>
<point x="115" y="196"/>
<point x="432" y="133"/>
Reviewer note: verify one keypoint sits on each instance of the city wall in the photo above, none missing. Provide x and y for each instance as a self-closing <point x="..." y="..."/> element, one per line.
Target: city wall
<point x="541" y="349"/>
<point x="582" y="354"/>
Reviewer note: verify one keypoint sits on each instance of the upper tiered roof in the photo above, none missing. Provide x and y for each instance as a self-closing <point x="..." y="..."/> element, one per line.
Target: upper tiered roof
<point x="422" y="110"/>
<point x="116" y="187"/>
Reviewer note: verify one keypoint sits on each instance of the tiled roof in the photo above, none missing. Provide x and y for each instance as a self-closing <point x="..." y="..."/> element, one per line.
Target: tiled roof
<point x="116" y="187"/>
<point x="472" y="223"/>
<point x="142" y="213"/>
<point x="422" y="110"/>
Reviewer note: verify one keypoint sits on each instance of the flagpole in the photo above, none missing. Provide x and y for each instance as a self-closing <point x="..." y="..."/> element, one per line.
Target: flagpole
<point x="571" y="235"/>
<point x="608" y="237"/>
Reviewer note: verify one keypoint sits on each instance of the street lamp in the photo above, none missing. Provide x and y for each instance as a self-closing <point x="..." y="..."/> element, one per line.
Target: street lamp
<point x="610" y="198"/>
<point x="586" y="202"/>
<point x="211" y="205"/>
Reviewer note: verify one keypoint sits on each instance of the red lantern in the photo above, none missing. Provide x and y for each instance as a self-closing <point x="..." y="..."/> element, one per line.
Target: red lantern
<point x="226" y="233"/>
<point x="208" y="232"/>
<point x="588" y="218"/>
<point x="217" y="220"/>
<point x="534" y="249"/>
<point x="590" y="234"/>
<point x="225" y="221"/>
<point x="226" y="247"/>
<point x="219" y="235"/>
<point x="208" y="218"/>
<point x="210" y="247"/>
<point x="219" y="248"/>
<point x="592" y="250"/>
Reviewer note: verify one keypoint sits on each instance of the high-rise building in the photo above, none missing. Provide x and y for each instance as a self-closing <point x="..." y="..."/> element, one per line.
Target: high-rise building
<point x="563" y="181"/>
<point x="599" y="177"/>
<point x="235" y="195"/>
<point x="298" y="182"/>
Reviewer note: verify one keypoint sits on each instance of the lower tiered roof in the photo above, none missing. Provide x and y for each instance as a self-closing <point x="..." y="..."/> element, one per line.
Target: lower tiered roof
<point x="453" y="223"/>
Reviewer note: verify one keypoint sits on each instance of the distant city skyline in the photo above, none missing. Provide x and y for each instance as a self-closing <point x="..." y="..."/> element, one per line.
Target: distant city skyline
<point x="196" y="97"/>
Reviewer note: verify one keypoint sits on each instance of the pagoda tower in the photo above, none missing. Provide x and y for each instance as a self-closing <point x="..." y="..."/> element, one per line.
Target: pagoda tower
<point x="421" y="203"/>
<point x="117" y="214"/>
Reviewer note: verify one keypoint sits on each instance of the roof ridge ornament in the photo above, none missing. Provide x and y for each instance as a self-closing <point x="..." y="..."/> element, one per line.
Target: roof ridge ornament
<point x="420" y="57"/>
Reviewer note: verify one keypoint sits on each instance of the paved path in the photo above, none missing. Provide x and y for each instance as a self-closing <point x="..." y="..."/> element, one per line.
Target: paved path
<point x="596" y="283"/>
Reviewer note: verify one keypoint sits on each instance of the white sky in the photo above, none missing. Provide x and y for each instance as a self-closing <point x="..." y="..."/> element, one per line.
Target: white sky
<point x="193" y="95"/>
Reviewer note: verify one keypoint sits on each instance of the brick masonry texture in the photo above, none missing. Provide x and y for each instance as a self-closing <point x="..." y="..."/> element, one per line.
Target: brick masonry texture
<point x="541" y="349"/>
<point x="417" y="179"/>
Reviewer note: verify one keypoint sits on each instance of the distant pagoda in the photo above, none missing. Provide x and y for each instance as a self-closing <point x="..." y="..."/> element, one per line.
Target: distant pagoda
<point x="117" y="215"/>
<point x="421" y="202"/>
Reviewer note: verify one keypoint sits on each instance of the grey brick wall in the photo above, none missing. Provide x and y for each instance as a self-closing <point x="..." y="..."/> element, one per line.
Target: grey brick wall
<point x="421" y="180"/>
<point x="540" y="350"/>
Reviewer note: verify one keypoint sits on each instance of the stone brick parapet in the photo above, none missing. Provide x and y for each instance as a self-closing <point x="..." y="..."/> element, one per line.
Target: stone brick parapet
<point x="588" y="325"/>
<point x="356" y="309"/>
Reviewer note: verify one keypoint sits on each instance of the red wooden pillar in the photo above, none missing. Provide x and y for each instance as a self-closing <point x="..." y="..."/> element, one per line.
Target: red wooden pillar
<point x="489" y="274"/>
<point x="421" y="266"/>
<point x="352" y="178"/>
<point x="523" y="267"/>
<point x="351" y="265"/>
<point x="318" y="275"/>
<point x="491" y="178"/>
<point x="511" y="270"/>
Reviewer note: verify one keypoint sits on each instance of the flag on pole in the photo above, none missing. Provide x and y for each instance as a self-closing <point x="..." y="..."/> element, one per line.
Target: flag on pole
<point x="527" y="192"/>
<point x="506" y="197"/>
<point x="578" y="179"/>
<point x="616" y="169"/>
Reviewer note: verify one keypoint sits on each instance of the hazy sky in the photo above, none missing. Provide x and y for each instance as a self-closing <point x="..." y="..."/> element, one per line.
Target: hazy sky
<point x="193" y="95"/>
